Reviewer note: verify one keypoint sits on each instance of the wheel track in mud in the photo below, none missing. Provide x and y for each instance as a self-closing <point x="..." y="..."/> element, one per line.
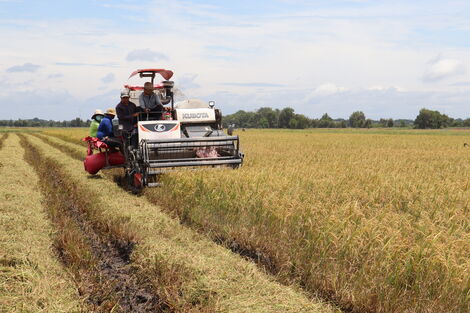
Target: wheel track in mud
<point x="108" y="280"/>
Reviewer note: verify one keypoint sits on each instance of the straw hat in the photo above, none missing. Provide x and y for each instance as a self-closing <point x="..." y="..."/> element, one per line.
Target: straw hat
<point x="111" y="111"/>
<point x="97" y="112"/>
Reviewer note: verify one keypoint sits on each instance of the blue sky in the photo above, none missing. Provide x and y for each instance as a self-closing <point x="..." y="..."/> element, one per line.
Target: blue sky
<point x="63" y="59"/>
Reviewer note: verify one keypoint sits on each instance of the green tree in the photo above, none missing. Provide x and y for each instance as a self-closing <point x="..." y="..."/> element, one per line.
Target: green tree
<point x="325" y="121"/>
<point x="293" y="123"/>
<point x="431" y="119"/>
<point x="302" y="121"/>
<point x="357" y="119"/>
<point x="270" y="116"/>
<point x="285" y="116"/>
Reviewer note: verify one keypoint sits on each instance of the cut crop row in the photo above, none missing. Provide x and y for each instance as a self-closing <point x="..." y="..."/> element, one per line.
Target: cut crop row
<point x="31" y="277"/>
<point x="2" y="139"/>
<point x="184" y="267"/>
<point x="97" y="253"/>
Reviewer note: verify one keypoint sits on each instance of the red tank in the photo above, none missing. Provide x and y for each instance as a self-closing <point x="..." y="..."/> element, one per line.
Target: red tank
<point x="95" y="162"/>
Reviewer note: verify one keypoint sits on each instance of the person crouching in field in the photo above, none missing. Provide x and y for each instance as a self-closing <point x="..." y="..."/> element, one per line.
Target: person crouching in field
<point x="95" y="122"/>
<point x="105" y="130"/>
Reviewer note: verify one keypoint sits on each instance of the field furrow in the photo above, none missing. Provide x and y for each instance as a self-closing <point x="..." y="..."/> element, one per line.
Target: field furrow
<point x="100" y="262"/>
<point x="31" y="276"/>
<point x="184" y="268"/>
<point x="2" y="139"/>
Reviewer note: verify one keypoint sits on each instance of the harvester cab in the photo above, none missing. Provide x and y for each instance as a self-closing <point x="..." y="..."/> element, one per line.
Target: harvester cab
<point x="187" y="134"/>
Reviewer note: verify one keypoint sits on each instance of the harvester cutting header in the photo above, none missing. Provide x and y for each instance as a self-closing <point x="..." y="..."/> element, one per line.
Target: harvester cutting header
<point x="184" y="134"/>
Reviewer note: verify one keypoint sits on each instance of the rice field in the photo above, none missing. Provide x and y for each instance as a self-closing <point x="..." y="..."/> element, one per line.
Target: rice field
<point x="369" y="221"/>
<point x="125" y="255"/>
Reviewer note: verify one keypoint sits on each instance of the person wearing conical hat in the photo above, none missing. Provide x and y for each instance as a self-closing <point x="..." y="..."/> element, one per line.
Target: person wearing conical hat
<point x="105" y="130"/>
<point x="95" y="122"/>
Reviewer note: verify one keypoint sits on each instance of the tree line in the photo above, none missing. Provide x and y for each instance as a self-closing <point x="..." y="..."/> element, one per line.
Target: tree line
<point x="36" y="122"/>
<point x="286" y="118"/>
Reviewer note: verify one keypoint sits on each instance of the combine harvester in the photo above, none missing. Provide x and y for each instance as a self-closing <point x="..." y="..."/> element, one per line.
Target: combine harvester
<point x="189" y="136"/>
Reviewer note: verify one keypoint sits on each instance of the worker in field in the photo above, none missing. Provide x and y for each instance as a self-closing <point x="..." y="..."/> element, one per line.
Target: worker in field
<point x="95" y="122"/>
<point x="127" y="113"/>
<point x="150" y="102"/>
<point x="105" y="130"/>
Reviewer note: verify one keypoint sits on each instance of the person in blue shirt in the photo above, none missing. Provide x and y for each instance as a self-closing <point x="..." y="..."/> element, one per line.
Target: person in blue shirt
<point x="105" y="130"/>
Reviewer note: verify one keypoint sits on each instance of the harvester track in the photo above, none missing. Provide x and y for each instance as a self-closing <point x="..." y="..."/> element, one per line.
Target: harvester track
<point x="107" y="279"/>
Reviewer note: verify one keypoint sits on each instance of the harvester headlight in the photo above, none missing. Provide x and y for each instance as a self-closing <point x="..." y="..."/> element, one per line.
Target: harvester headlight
<point x="211" y="104"/>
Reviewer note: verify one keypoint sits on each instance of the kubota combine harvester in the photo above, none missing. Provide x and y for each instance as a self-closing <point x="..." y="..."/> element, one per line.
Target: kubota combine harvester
<point x="189" y="136"/>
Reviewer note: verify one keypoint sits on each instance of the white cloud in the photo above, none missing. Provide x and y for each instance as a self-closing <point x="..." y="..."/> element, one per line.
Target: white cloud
<point x="382" y="88"/>
<point x="440" y="68"/>
<point x="327" y="89"/>
<point x="145" y="55"/>
<point x="27" y="67"/>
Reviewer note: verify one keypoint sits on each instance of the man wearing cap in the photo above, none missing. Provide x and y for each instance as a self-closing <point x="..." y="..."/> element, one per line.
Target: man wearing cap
<point x="105" y="130"/>
<point x="126" y="112"/>
<point x="95" y="122"/>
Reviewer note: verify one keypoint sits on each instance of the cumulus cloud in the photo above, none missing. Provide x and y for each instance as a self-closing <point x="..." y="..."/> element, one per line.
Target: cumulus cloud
<point x="440" y="68"/>
<point x="327" y="89"/>
<point x="382" y="88"/>
<point x="146" y="55"/>
<point x="108" y="78"/>
<point x="27" y="67"/>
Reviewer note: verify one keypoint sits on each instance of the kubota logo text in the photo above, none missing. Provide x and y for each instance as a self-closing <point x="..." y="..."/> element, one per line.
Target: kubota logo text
<point x="195" y="115"/>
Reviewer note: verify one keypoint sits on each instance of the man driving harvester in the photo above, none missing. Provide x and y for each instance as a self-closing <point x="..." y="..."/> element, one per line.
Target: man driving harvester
<point x="150" y="102"/>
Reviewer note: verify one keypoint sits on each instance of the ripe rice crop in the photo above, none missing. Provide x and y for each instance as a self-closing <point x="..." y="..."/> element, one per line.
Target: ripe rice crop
<point x="188" y="272"/>
<point x="379" y="221"/>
